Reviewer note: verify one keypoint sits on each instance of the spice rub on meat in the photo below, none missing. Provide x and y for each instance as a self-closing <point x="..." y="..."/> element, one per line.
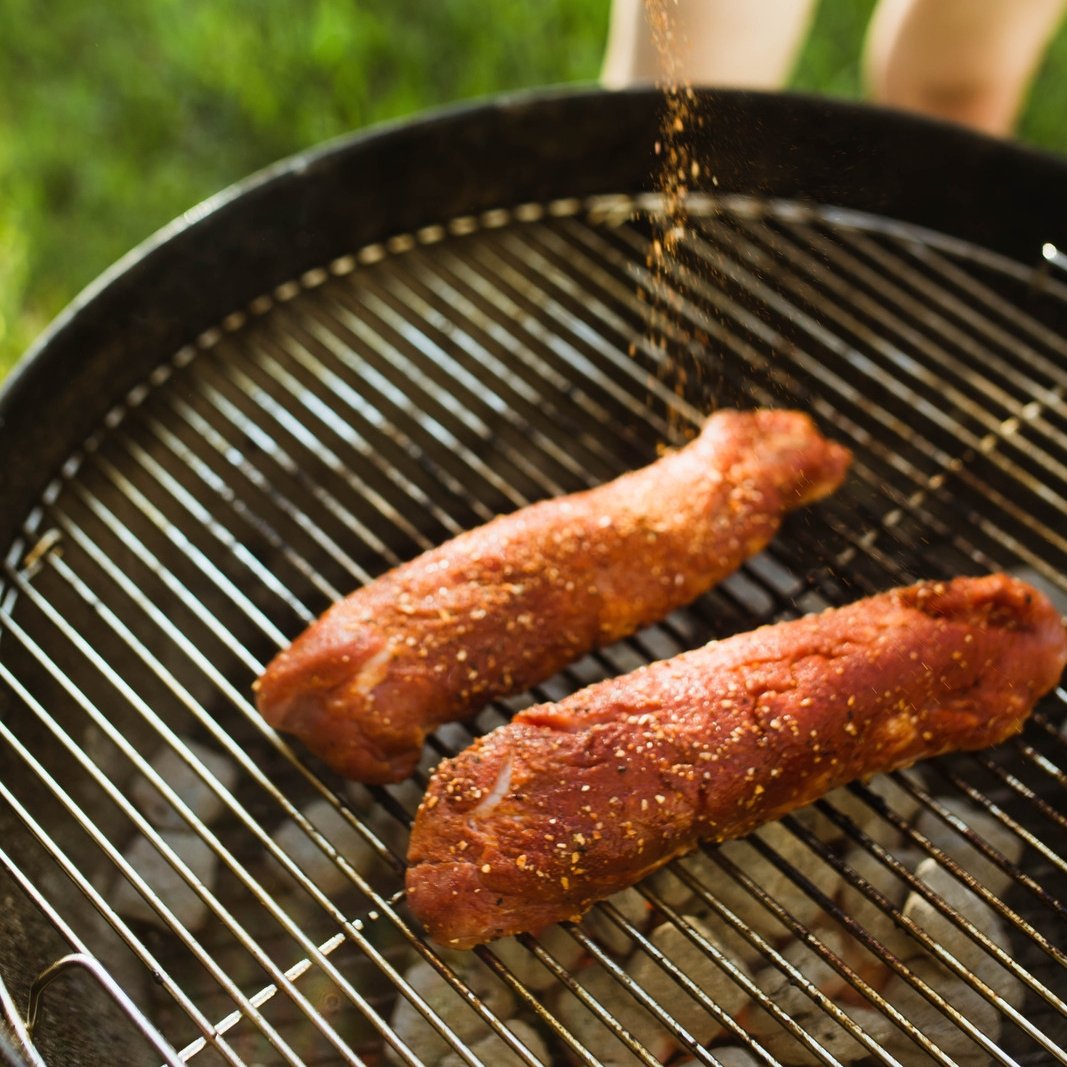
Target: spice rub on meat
<point x="573" y="801"/>
<point x="508" y="604"/>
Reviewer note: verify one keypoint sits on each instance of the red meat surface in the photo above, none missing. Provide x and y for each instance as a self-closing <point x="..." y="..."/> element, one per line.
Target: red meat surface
<point x="508" y="604"/>
<point x="571" y="802"/>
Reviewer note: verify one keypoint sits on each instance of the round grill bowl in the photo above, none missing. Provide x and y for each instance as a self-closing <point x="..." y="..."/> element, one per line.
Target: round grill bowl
<point x="379" y="343"/>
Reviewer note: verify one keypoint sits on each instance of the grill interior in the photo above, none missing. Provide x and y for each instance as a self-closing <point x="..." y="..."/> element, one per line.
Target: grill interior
<point x="213" y="895"/>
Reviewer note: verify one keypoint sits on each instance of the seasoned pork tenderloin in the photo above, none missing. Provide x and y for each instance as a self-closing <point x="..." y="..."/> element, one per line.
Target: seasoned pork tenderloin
<point x="508" y="604"/>
<point x="571" y="802"/>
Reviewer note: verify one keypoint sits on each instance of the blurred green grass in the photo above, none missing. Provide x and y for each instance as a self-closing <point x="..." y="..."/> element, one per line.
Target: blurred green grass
<point x="116" y="117"/>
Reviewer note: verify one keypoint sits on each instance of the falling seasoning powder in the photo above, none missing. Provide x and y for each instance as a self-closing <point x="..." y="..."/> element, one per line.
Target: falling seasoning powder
<point x="678" y="346"/>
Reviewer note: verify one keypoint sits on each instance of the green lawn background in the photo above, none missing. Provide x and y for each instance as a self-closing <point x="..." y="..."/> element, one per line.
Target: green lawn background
<point x="117" y="116"/>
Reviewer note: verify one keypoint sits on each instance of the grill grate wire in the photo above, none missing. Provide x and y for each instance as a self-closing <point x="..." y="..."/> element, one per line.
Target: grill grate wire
<point x="346" y="424"/>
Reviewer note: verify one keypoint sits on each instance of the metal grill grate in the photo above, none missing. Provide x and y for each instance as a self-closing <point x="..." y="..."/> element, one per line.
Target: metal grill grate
<point x="212" y="891"/>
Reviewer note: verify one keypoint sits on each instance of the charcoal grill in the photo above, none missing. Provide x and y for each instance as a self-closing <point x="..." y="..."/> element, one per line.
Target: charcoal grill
<point x="378" y="344"/>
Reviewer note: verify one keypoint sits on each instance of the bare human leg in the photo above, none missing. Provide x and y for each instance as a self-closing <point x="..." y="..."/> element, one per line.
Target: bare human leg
<point x="736" y="43"/>
<point x="969" y="61"/>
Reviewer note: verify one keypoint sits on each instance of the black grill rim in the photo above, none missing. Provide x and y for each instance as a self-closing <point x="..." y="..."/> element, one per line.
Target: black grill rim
<point x="530" y="147"/>
<point x="178" y="289"/>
